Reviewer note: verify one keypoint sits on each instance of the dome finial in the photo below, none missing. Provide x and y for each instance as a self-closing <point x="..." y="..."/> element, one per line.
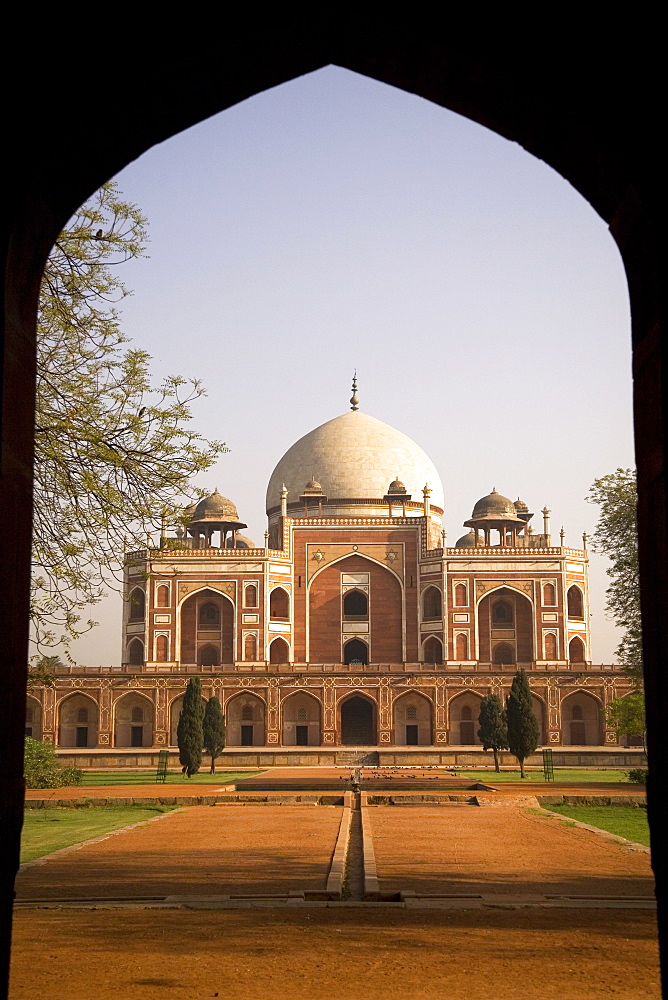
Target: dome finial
<point x="354" y="401"/>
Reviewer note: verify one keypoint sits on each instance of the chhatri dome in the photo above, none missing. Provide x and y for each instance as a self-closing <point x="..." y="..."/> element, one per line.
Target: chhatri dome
<point x="354" y="457"/>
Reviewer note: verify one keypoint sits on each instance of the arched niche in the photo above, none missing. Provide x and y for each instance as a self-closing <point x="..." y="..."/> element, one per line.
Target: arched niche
<point x="209" y="655"/>
<point x="549" y="595"/>
<point x="250" y="595"/>
<point x="250" y="646"/>
<point x="506" y="615"/>
<point x="135" y="652"/>
<point x="207" y="619"/>
<point x="576" y="650"/>
<point x="133" y="721"/>
<point x="413" y="720"/>
<point x="461" y="595"/>
<point x="33" y="725"/>
<point x="503" y="654"/>
<point x="77" y="721"/>
<point x="162" y="649"/>
<point x="356" y="652"/>
<point x="540" y="711"/>
<point x="581" y="720"/>
<point x="462" y="646"/>
<point x="463" y="712"/>
<point x="301" y="720"/>
<point x="137" y="605"/>
<point x="279" y="605"/>
<point x="358" y="715"/>
<point x="162" y="596"/>
<point x="432" y="651"/>
<point x="575" y="601"/>
<point x="245" y="721"/>
<point x="432" y="604"/>
<point x="550" y="646"/>
<point x="279" y="651"/>
<point x="355" y="605"/>
<point x="175" y="709"/>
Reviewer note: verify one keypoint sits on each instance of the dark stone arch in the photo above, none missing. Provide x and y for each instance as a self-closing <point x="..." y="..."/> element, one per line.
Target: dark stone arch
<point x="595" y="123"/>
<point x="358" y="721"/>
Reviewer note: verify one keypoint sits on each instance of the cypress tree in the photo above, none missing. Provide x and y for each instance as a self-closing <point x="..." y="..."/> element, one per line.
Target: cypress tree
<point x="523" y="731"/>
<point x="189" y="733"/>
<point x="493" y="732"/>
<point x="214" y="730"/>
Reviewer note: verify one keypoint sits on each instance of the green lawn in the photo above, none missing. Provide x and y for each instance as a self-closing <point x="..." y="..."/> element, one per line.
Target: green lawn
<point x="625" y="821"/>
<point x="560" y="774"/>
<point x="47" y="830"/>
<point x="173" y="778"/>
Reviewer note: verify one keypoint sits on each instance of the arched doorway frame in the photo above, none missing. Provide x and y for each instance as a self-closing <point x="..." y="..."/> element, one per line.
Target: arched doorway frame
<point x="179" y="608"/>
<point x="600" y="722"/>
<point x="245" y="693"/>
<point x="77" y="692"/>
<point x="333" y="562"/>
<point x="348" y="696"/>
<point x="314" y="698"/>
<point x="488" y="593"/>
<point x="594" y="123"/>
<point x="404" y="696"/>
<point x="461" y="694"/>
<point x="133" y="693"/>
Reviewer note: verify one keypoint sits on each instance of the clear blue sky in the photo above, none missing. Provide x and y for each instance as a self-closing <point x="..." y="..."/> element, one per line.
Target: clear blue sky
<point x="336" y="223"/>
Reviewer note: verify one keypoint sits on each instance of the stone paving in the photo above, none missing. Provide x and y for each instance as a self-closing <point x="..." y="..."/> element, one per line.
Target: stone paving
<point x="471" y="849"/>
<point x="201" y="850"/>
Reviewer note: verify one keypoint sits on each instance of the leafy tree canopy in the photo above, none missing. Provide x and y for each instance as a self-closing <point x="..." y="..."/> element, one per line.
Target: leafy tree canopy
<point x="493" y="731"/>
<point x="189" y="731"/>
<point x="627" y="714"/>
<point x="213" y="729"/>
<point x="616" y="536"/>
<point x="114" y="452"/>
<point x="523" y="730"/>
<point x="42" y="769"/>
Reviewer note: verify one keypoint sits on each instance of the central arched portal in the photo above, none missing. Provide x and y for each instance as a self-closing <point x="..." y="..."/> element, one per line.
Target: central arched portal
<point x="358" y="727"/>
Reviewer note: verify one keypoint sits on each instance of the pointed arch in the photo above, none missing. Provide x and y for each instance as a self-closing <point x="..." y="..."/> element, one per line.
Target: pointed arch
<point x="77" y="721"/>
<point x="549" y="595"/>
<point x="355" y="605"/>
<point x="432" y="651"/>
<point x="432" y="604"/>
<point x="507" y="613"/>
<point x="279" y="604"/>
<point x="413" y="714"/>
<point x="462" y="646"/>
<point x="358" y="713"/>
<point x="356" y="651"/>
<point x="206" y="617"/>
<point x="33" y="727"/>
<point x="209" y="655"/>
<point x="245" y="715"/>
<point x="162" y="648"/>
<point x="576" y="650"/>
<point x="250" y="595"/>
<point x="463" y="712"/>
<point x="540" y="711"/>
<point x="461" y="595"/>
<point x="137" y="605"/>
<point x="162" y="596"/>
<point x="301" y="719"/>
<point x="133" y="720"/>
<point x="250" y="646"/>
<point x="135" y="652"/>
<point x="581" y="720"/>
<point x="550" y="646"/>
<point x="279" y="651"/>
<point x="575" y="600"/>
<point x="503" y="654"/>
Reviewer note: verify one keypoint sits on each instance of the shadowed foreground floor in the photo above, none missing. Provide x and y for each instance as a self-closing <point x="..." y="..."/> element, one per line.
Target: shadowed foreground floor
<point x="335" y="954"/>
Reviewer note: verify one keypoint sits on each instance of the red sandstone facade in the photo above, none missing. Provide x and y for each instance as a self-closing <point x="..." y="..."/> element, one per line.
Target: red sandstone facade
<point x="358" y="626"/>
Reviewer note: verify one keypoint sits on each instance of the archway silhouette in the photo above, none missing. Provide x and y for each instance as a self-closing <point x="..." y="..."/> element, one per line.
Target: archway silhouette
<point x="358" y="727"/>
<point x="593" y="123"/>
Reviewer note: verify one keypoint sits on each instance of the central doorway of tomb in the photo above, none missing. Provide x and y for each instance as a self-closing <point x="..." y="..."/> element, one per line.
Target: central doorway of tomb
<point x="357" y="724"/>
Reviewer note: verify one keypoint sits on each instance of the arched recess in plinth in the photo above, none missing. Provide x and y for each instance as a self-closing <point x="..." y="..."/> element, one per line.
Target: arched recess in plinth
<point x="133" y="721"/>
<point x="77" y="721"/>
<point x="581" y="720"/>
<point x="301" y="720"/>
<point x="245" y="717"/>
<point x="33" y="718"/>
<point x="413" y="717"/>
<point x="358" y="720"/>
<point x="463" y="712"/>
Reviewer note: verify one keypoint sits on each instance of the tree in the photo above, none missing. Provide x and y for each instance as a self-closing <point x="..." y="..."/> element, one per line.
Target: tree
<point x="523" y="730"/>
<point x="214" y="730"/>
<point x="42" y="670"/>
<point x="42" y="768"/>
<point x="616" y="536"/>
<point x="189" y="732"/>
<point x="493" y="732"/>
<point x="627" y="715"/>
<point x="113" y="452"/>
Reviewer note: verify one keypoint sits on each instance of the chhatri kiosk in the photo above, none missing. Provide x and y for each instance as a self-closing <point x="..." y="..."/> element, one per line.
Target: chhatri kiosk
<point x="354" y="626"/>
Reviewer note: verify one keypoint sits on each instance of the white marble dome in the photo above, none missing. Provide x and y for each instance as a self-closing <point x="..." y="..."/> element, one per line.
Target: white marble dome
<point x="354" y="456"/>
